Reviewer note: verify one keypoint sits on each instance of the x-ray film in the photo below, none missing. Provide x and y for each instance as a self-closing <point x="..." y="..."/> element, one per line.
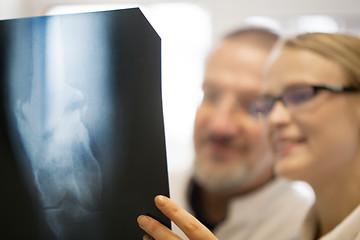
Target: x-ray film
<point x="81" y="132"/>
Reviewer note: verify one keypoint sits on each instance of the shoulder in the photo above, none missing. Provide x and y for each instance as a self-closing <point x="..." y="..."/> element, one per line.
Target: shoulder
<point x="294" y="197"/>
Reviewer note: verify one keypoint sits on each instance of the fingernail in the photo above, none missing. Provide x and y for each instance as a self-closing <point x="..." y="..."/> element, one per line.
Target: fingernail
<point x="147" y="237"/>
<point x="161" y="200"/>
<point x="142" y="221"/>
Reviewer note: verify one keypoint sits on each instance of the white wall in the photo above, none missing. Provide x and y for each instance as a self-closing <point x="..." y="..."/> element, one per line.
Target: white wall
<point x="10" y="8"/>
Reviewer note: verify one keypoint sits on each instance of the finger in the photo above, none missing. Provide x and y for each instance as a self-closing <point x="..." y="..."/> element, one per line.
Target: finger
<point x="194" y="229"/>
<point x="155" y="229"/>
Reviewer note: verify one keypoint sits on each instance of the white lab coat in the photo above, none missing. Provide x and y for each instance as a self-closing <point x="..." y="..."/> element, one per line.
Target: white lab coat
<point x="276" y="211"/>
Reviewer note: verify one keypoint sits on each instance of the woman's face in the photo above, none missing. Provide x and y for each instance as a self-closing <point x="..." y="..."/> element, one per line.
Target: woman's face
<point x="318" y="139"/>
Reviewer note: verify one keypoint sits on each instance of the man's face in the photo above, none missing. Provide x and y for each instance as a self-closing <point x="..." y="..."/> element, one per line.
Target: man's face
<point x="230" y="146"/>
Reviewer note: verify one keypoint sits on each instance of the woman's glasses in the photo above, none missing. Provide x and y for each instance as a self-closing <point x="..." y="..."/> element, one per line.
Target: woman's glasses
<point x="292" y="97"/>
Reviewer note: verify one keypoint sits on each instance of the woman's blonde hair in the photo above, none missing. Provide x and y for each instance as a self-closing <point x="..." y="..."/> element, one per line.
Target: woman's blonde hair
<point x="343" y="49"/>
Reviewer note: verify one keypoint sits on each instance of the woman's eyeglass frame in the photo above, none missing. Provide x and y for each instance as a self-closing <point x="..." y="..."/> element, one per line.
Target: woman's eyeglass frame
<point x="293" y="96"/>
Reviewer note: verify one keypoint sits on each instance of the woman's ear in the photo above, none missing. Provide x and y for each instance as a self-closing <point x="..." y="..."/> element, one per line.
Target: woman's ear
<point x="356" y="105"/>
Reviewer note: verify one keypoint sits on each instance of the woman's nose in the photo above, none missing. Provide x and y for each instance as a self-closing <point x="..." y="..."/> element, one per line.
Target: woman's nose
<point x="279" y="114"/>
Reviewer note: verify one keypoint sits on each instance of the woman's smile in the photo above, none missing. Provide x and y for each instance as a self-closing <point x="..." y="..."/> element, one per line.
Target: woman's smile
<point x="286" y="145"/>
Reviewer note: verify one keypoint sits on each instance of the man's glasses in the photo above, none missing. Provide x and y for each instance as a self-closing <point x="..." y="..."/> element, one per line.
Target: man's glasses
<point x="292" y="97"/>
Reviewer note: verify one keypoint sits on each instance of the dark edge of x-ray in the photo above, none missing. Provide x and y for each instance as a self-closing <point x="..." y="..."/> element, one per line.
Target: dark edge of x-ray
<point x="81" y="134"/>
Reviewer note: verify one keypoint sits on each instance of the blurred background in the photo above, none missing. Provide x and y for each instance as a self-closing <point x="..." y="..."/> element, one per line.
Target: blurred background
<point x="188" y="29"/>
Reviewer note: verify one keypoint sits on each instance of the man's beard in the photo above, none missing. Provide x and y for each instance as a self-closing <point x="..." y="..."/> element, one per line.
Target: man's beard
<point x="215" y="179"/>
